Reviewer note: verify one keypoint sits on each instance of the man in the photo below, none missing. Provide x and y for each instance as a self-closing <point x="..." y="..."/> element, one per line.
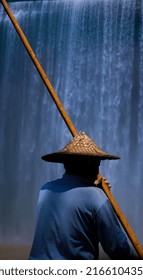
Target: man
<point x="74" y="215"/>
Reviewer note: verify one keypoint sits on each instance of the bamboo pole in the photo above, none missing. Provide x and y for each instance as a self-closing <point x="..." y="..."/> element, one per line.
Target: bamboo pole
<point x="40" y="69"/>
<point x="123" y="220"/>
<point x="71" y="127"/>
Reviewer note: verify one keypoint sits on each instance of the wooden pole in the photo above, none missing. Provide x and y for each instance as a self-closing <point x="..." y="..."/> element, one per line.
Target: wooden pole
<point x="71" y="127"/>
<point x="123" y="221"/>
<point x="40" y="69"/>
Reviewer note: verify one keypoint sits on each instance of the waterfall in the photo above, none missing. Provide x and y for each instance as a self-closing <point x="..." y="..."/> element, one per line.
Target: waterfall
<point x="92" y="52"/>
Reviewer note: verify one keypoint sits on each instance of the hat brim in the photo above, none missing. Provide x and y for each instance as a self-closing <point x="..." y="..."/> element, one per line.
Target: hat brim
<point x="61" y="157"/>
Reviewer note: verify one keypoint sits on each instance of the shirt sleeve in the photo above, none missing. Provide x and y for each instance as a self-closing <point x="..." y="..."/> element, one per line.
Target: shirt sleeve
<point x="110" y="234"/>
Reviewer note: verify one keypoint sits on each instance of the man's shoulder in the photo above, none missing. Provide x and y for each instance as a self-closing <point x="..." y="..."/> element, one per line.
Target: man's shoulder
<point x="96" y="193"/>
<point x="49" y="185"/>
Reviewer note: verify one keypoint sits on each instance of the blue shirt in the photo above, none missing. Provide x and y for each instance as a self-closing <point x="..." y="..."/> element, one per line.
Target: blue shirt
<point x="72" y="219"/>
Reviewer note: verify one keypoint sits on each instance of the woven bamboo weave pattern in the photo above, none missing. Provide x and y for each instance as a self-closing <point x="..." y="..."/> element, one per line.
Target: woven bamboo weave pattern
<point x="81" y="145"/>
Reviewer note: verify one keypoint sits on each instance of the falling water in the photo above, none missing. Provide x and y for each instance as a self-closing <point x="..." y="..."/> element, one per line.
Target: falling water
<point x="92" y="52"/>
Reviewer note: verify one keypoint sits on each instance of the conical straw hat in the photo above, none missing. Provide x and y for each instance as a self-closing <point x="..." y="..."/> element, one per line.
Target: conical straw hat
<point x="80" y="146"/>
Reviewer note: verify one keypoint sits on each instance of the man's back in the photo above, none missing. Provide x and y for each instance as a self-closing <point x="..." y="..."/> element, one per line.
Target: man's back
<point x="69" y="215"/>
